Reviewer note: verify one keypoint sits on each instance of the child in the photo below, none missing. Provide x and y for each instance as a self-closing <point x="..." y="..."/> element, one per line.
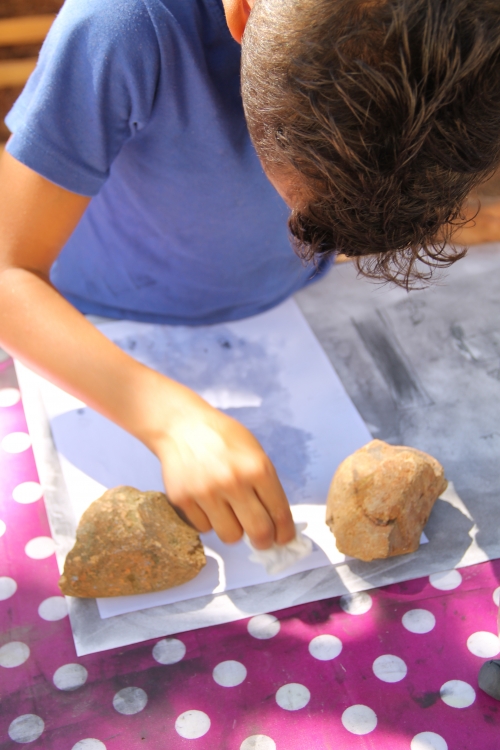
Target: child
<point x="373" y="119"/>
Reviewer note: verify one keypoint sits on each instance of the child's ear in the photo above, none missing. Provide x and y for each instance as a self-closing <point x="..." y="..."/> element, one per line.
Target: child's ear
<point x="237" y="13"/>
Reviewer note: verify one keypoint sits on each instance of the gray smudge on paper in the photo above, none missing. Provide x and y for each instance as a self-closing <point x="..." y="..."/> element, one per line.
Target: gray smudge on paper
<point x="203" y="359"/>
<point x="219" y="362"/>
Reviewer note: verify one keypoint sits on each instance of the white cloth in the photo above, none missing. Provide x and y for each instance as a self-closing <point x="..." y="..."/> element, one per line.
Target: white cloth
<point x="281" y="556"/>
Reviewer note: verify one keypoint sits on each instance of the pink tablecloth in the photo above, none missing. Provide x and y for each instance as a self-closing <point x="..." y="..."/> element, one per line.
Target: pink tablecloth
<point x="392" y="669"/>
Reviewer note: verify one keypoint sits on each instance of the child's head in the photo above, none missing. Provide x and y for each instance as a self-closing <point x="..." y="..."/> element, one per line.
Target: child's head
<point x="380" y="116"/>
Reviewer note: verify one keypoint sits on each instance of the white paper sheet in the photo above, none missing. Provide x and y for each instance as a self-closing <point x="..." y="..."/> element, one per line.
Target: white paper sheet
<point x="267" y="371"/>
<point x="229" y="567"/>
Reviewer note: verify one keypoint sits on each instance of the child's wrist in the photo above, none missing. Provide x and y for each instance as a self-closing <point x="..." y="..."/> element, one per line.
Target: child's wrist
<point x="161" y="405"/>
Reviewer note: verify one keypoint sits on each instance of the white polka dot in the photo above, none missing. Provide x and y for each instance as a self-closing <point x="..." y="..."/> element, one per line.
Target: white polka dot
<point x="3" y="527"/>
<point x="192" y="724"/>
<point x="428" y="741"/>
<point x="389" y="668"/>
<point x="263" y="626"/>
<point x="293" y="696"/>
<point x="89" y="744"/>
<point x="14" y="654"/>
<point x="54" y="608"/>
<point x="70" y="677"/>
<point x="40" y="547"/>
<point x="229" y="673"/>
<point x="445" y="581"/>
<point x="356" y="604"/>
<point x="359" y="719"/>
<point x="483" y="644"/>
<point x="169" y="651"/>
<point x="27" y="492"/>
<point x="130" y="700"/>
<point x="325" y="647"/>
<point x="458" y="694"/>
<point x="258" y="742"/>
<point x="9" y="396"/>
<point x="16" y="442"/>
<point x="8" y="588"/>
<point x="26" y="728"/>
<point x="496" y="596"/>
<point x="419" y="621"/>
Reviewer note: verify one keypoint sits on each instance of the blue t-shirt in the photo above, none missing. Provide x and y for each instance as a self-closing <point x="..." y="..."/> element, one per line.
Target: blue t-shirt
<point x="137" y="103"/>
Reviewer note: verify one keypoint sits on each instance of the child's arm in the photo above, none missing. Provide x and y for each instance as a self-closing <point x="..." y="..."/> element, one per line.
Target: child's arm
<point x="214" y="470"/>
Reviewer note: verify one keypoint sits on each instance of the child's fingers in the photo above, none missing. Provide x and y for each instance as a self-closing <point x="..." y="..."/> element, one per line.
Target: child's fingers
<point x="224" y="521"/>
<point x="191" y="512"/>
<point x="254" y="519"/>
<point x="272" y="496"/>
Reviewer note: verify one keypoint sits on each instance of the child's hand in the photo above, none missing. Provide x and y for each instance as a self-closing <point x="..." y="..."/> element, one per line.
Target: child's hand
<point x="217" y="474"/>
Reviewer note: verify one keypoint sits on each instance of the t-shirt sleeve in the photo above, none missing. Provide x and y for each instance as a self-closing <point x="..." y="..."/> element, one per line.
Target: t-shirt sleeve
<point x="92" y="90"/>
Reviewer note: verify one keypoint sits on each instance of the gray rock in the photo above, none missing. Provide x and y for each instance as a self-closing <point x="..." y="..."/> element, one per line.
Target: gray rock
<point x="489" y="678"/>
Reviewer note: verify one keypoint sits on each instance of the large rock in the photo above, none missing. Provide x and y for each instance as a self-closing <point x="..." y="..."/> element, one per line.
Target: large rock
<point x="131" y="542"/>
<point x="380" y="500"/>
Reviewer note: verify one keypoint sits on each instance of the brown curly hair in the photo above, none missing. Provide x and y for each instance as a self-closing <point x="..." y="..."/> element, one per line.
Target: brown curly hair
<point x="389" y="112"/>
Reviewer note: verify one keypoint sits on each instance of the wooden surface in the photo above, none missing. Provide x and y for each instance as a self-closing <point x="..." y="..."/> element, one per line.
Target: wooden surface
<point x="16" y="72"/>
<point x="17" y="8"/>
<point x="23" y="27"/>
<point x="25" y="30"/>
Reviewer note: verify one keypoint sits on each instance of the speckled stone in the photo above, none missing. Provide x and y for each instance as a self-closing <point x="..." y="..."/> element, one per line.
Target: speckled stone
<point x="131" y="542"/>
<point x="489" y="678"/>
<point x="380" y="500"/>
